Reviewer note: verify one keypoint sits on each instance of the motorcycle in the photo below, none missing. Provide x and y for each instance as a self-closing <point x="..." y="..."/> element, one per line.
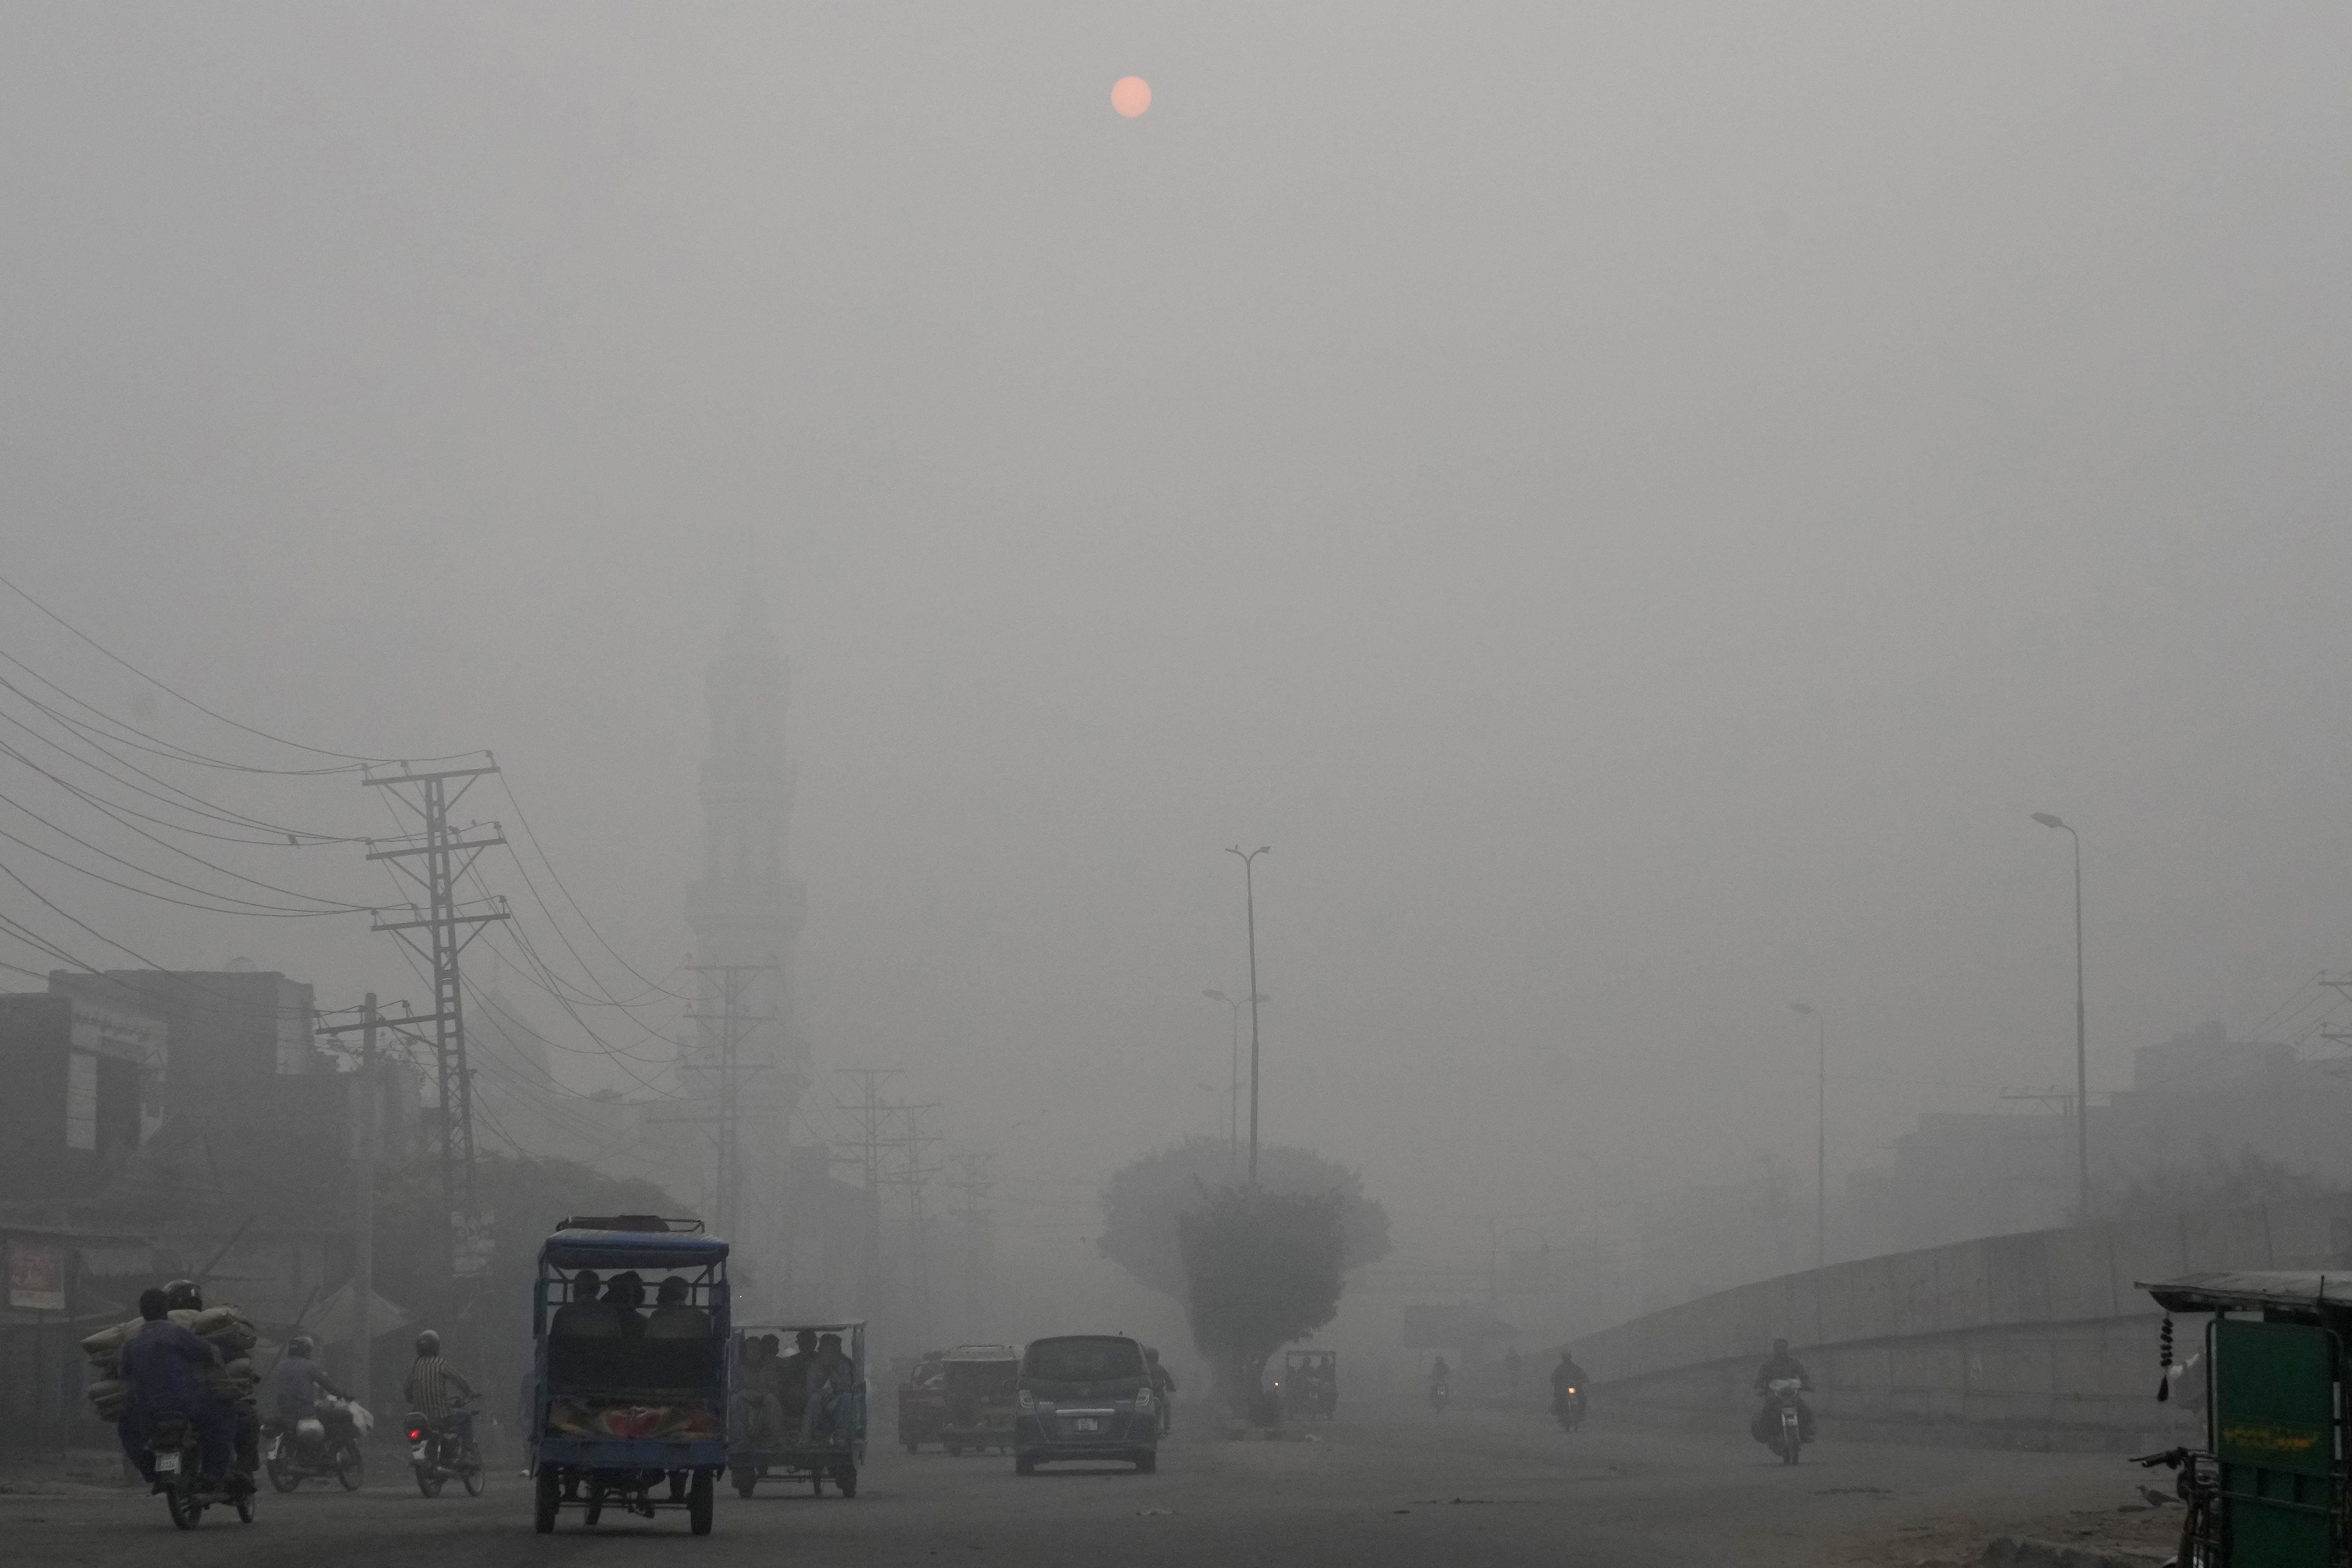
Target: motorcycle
<point x="1781" y="1419"/>
<point x="1569" y="1406"/>
<point x="179" y="1475"/>
<point x="326" y="1444"/>
<point x="1440" y="1395"/>
<point x="438" y="1451"/>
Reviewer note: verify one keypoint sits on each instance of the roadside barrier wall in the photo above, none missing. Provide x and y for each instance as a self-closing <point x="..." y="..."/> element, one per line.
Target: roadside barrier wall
<point x="2035" y="1340"/>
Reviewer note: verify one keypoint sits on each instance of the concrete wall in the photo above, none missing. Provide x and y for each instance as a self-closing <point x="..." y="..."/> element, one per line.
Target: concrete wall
<point x="2039" y="1338"/>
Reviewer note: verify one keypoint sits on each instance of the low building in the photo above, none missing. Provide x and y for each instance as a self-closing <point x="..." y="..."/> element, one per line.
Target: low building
<point x="86" y="1080"/>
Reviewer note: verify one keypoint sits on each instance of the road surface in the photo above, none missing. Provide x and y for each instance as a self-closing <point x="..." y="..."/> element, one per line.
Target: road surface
<point x="1465" y="1489"/>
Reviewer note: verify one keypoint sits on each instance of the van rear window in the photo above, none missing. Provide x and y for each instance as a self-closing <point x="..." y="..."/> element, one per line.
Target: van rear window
<point x="1083" y="1360"/>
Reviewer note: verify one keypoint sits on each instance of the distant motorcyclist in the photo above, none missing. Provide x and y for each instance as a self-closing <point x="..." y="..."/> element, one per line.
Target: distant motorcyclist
<point x="1567" y="1378"/>
<point x="164" y="1365"/>
<point x="295" y="1383"/>
<point x="1780" y="1367"/>
<point x="435" y="1390"/>
<point x="1163" y="1384"/>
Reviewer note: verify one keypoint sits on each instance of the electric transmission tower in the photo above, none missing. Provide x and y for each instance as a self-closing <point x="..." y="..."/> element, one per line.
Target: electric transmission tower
<point x="974" y="1189"/>
<point x="914" y="1173"/>
<point x="871" y="1112"/>
<point x="732" y="1019"/>
<point x="434" y="857"/>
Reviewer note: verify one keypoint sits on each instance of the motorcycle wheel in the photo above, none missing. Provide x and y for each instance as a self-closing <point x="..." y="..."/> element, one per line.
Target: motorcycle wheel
<point x="280" y="1478"/>
<point x="845" y="1477"/>
<point x="546" y="1499"/>
<point x="427" y="1482"/>
<point x="186" y="1511"/>
<point x="350" y="1465"/>
<point x="746" y="1478"/>
<point x="473" y="1476"/>
<point x="245" y="1508"/>
<point x="697" y="1502"/>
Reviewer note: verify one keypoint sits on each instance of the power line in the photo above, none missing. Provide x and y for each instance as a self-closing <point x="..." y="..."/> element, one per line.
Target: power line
<point x="223" y="718"/>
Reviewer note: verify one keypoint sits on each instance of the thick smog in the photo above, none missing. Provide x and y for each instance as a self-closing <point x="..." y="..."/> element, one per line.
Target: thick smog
<point x="1319" y="784"/>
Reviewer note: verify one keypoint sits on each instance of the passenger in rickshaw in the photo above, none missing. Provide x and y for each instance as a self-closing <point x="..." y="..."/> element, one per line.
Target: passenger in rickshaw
<point x="624" y="1293"/>
<point x="758" y="1418"/>
<point x="583" y="1316"/>
<point x="674" y="1319"/>
<point x="792" y="1377"/>
<point x="832" y="1378"/>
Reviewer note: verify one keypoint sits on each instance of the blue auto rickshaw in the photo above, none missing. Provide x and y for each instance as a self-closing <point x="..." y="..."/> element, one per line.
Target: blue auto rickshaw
<point x="629" y="1327"/>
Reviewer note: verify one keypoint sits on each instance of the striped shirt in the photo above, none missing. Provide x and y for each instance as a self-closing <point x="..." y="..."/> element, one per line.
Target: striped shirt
<point x="430" y="1385"/>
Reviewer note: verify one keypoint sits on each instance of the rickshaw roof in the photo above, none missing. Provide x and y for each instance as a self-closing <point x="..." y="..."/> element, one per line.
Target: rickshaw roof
<point x="984" y="1353"/>
<point x="2239" y="1292"/>
<point x="839" y="1328"/>
<point x="630" y="1248"/>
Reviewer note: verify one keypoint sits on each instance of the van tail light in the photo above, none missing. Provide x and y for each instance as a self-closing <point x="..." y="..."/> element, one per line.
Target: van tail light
<point x="1025" y="1400"/>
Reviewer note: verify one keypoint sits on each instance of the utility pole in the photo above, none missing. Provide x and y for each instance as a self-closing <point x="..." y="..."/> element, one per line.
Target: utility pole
<point x="869" y="1108"/>
<point x="434" y="857"/>
<point x="913" y="1174"/>
<point x="369" y="1150"/>
<point x="1249" y="887"/>
<point x="730" y="1019"/>
<point x="975" y="1188"/>
<point x="1821" y="1133"/>
<point x="2082" y="1036"/>
<point x="364" y="1220"/>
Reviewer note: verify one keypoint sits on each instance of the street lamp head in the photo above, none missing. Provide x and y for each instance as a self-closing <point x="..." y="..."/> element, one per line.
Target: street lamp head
<point x="2047" y="820"/>
<point x="1805" y="1009"/>
<point x="1218" y="996"/>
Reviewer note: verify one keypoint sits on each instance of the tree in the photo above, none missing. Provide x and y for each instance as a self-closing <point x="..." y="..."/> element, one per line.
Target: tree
<point x="1245" y="1272"/>
<point x="2218" y="1180"/>
<point x="1263" y="1270"/>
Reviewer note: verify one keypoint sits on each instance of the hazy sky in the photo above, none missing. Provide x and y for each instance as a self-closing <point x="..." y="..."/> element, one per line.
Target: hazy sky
<point x="1636" y="503"/>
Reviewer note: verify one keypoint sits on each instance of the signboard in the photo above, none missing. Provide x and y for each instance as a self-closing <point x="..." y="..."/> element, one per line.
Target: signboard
<point x="36" y="1275"/>
<point x="472" y="1240"/>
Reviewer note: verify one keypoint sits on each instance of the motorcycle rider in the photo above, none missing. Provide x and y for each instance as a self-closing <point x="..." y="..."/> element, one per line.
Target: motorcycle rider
<point x="295" y="1383"/>
<point x="1163" y="1384"/>
<point x="164" y="1362"/>
<point x="1566" y="1378"/>
<point x="1779" y="1366"/>
<point x="435" y="1389"/>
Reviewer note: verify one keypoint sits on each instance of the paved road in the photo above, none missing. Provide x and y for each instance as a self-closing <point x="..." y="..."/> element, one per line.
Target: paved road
<point x="1469" y="1488"/>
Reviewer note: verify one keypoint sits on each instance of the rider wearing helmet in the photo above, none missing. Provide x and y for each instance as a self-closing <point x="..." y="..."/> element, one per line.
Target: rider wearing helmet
<point x="183" y="1296"/>
<point x="434" y="1388"/>
<point x="297" y="1381"/>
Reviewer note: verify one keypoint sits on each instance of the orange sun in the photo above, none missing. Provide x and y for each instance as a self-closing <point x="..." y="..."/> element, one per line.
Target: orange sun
<point x="1131" y="95"/>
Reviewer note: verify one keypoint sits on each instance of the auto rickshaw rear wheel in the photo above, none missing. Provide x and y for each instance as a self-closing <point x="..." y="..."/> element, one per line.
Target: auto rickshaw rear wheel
<point x="697" y="1502"/>
<point x="845" y="1477"/>
<point x="546" y="1499"/>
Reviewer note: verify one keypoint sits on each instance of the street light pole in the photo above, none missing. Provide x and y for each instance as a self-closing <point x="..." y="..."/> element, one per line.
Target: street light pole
<point x="1249" y="893"/>
<point x="2082" y="1037"/>
<point x="1821" y="1134"/>
<point x="1233" y="1099"/>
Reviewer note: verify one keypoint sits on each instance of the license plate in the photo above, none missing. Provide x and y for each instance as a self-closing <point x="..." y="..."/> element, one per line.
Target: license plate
<point x="167" y="1464"/>
<point x="1085" y="1423"/>
<point x="417" y="1453"/>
